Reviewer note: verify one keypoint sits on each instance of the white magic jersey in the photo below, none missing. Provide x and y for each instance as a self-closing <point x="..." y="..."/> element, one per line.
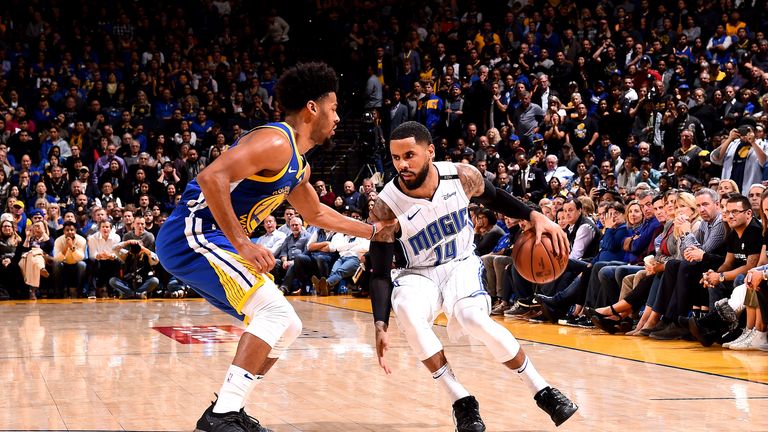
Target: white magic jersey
<point x="436" y="231"/>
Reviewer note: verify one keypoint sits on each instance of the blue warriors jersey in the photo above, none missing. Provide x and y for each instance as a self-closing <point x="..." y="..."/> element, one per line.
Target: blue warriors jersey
<point x="192" y="248"/>
<point x="254" y="197"/>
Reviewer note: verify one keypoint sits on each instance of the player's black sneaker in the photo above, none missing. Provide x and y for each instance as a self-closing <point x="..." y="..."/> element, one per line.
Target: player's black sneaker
<point x="235" y="421"/>
<point x="554" y="403"/>
<point x="466" y="414"/>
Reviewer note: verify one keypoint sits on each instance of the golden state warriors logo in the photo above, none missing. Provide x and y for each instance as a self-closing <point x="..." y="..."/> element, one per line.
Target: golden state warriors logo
<point x="260" y="211"/>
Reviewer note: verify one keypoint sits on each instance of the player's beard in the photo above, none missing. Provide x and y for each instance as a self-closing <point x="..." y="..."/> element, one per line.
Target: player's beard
<point x="418" y="179"/>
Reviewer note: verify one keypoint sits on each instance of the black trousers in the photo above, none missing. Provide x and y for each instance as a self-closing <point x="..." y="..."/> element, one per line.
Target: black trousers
<point x="680" y="288"/>
<point x="639" y="296"/>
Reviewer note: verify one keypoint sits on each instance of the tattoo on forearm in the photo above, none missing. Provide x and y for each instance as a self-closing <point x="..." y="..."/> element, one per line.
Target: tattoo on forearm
<point x="382" y="212"/>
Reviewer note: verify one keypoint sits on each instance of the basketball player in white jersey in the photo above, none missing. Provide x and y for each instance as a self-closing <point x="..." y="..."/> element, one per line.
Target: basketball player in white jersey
<point x="437" y="269"/>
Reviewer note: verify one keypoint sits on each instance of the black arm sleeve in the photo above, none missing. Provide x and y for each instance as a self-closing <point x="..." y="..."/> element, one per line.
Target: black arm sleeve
<point x="501" y="201"/>
<point x="381" y="284"/>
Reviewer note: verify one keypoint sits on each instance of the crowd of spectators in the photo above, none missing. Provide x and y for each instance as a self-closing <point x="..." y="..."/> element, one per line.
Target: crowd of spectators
<point x="636" y="125"/>
<point x="107" y="111"/>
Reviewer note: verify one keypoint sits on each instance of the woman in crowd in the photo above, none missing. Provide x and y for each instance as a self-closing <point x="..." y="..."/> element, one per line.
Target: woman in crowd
<point x="628" y="171"/>
<point x="554" y="188"/>
<point x="10" y="274"/>
<point x="5" y="186"/>
<point x="36" y="255"/>
<point x="113" y="175"/>
<point x="727" y="186"/>
<point x="487" y="233"/>
<point x="168" y="201"/>
<point x="53" y="218"/>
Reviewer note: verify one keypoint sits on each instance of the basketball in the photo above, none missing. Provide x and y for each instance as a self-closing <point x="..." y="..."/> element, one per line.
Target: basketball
<point x="537" y="262"/>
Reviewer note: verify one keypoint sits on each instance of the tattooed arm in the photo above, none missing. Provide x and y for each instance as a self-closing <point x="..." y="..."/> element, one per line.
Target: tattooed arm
<point x="477" y="187"/>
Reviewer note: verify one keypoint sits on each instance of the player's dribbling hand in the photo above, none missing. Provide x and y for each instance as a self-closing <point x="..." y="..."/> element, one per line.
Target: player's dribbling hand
<point x="260" y="257"/>
<point x="542" y="224"/>
<point x="382" y="345"/>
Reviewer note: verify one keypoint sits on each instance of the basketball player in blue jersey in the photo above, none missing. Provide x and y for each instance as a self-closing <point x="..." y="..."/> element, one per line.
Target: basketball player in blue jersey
<point x="437" y="269"/>
<point x="205" y="242"/>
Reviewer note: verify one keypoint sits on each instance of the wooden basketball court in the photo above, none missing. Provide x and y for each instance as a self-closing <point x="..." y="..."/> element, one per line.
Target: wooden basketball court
<point x="154" y="365"/>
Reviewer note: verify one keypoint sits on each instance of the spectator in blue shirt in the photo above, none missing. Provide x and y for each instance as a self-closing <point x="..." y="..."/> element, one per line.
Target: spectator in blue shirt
<point x="202" y="125"/>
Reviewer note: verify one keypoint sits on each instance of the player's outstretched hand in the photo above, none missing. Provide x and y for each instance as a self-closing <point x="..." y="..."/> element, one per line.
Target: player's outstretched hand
<point x="382" y="345"/>
<point x="260" y="257"/>
<point x="542" y="224"/>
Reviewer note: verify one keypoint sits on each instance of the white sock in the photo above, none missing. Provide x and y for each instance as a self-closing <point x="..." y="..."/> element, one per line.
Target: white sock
<point x="235" y="390"/>
<point x="448" y="380"/>
<point x="531" y="377"/>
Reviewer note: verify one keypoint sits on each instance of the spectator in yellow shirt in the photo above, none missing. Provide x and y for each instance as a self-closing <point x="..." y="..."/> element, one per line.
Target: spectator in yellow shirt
<point x="69" y="260"/>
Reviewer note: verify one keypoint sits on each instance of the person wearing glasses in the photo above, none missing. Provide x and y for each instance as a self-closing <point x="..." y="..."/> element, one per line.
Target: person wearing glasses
<point x="326" y="197"/>
<point x="742" y="252"/>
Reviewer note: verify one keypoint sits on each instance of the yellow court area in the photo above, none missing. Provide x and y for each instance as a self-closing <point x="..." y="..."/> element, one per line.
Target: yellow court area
<point x="744" y="365"/>
<point x="112" y="365"/>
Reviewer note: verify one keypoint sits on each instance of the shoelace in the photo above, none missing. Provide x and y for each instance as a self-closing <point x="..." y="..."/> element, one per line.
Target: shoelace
<point x="558" y="399"/>
<point x="469" y="415"/>
<point x="250" y="422"/>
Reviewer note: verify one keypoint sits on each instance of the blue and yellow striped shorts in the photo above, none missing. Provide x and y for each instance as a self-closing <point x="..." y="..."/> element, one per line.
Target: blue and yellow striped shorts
<point x="196" y="252"/>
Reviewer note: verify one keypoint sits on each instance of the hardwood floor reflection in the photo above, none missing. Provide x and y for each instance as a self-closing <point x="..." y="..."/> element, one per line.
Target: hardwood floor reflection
<point x="154" y="365"/>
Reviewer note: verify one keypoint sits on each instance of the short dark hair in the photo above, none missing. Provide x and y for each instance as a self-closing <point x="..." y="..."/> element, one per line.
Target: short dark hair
<point x="738" y="198"/>
<point x="575" y="202"/>
<point x="489" y="214"/>
<point x="412" y="129"/>
<point x="618" y="206"/>
<point x="304" y="82"/>
<point x="69" y="224"/>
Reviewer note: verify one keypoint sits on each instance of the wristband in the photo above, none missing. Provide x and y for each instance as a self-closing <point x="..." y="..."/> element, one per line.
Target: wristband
<point x="373" y="234"/>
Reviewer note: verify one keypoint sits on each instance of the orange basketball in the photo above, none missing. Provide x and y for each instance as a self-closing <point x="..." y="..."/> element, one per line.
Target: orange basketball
<point x="537" y="262"/>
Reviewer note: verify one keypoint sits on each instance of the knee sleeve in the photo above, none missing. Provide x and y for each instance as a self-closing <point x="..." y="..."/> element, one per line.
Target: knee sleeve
<point x="271" y="316"/>
<point x="289" y="336"/>
<point x="472" y="314"/>
<point x="415" y="321"/>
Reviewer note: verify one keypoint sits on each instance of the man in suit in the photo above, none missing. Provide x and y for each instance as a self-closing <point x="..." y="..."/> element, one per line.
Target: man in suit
<point x="528" y="183"/>
<point x="543" y="92"/>
<point x="398" y="110"/>
<point x="732" y="105"/>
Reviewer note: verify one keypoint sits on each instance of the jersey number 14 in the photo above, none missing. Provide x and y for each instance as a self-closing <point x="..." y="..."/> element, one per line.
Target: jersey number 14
<point x="445" y="252"/>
